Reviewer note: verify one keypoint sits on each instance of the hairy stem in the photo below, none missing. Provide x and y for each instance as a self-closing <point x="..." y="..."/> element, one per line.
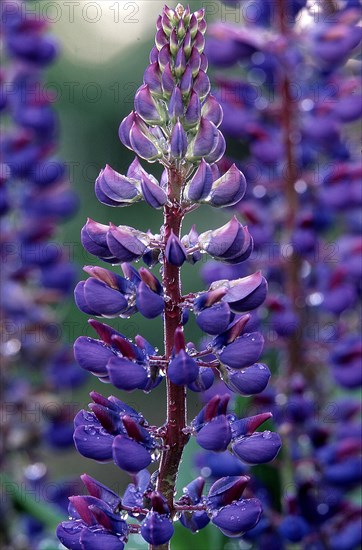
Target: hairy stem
<point x="176" y="439"/>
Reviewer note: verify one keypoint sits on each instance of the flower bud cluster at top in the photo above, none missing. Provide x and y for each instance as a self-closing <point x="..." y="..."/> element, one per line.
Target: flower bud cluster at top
<point x="175" y="121"/>
<point x="35" y="199"/>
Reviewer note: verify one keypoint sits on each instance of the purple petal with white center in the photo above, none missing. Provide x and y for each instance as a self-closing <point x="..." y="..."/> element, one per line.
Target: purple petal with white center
<point x="130" y="455"/>
<point x="202" y="85"/>
<point x="258" y="448"/>
<point x="182" y="369"/>
<point x="93" y="442"/>
<point x="194" y="62"/>
<point x="235" y="519"/>
<point x="125" y="374"/>
<point x="180" y="63"/>
<point x="215" y="435"/>
<point x="243" y="352"/>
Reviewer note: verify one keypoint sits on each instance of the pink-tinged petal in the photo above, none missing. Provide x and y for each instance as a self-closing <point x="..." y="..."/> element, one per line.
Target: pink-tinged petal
<point x="225" y="490"/>
<point x="248" y="425"/>
<point x="97" y="489"/>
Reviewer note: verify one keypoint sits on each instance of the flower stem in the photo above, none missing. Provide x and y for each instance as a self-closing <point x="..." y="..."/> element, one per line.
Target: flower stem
<point x="175" y="439"/>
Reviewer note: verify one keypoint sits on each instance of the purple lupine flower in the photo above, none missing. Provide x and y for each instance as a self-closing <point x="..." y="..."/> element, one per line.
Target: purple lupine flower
<point x="175" y="122"/>
<point x="37" y="276"/>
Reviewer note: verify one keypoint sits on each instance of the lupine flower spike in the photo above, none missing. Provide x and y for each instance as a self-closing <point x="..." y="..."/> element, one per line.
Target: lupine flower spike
<point x="175" y="122"/>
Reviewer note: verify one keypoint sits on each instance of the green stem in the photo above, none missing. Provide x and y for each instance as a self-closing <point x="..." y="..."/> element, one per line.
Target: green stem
<point x="26" y="502"/>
